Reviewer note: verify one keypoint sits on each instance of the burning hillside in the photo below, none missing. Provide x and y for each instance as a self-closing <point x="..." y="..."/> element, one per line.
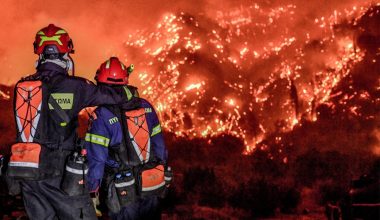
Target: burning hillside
<point x="251" y="70"/>
<point x="275" y="104"/>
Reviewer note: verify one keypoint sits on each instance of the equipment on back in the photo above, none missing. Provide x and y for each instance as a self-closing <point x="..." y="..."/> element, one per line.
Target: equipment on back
<point x="25" y="158"/>
<point x="30" y="158"/>
<point x="113" y="72"/>
<point x="125" y="187"/>
<point x="75" y="175"/>
<point x="150" y="173"/>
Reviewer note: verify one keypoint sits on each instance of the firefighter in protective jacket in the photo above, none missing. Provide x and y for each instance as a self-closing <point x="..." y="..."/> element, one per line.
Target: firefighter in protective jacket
<point x="46" y="107"/>
<point x="125" y="148"/>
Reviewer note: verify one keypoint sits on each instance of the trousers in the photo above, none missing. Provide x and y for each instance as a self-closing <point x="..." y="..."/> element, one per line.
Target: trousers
<point x="44" y="199"/>
<point x="143" y="208"/>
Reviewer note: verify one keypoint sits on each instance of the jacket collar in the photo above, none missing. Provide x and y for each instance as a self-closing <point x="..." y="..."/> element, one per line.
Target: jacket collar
<point x="50" y="69"/>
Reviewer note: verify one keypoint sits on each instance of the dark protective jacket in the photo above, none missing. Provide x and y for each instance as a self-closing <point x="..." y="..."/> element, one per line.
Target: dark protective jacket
<point x="106" y="133"/>
<point x="72" y="94"/>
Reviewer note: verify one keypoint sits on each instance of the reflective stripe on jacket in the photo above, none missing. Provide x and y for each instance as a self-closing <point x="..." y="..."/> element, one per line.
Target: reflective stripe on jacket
<point x="106" y="132"/>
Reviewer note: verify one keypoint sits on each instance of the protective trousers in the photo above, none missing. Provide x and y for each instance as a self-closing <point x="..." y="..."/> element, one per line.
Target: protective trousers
<point x="144" y="208"/>
<point x="45" y="200"/>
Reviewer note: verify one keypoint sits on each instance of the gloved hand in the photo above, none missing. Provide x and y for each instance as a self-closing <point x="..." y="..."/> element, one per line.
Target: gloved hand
<point x="14" y="187"/>
<point x="95" y="203"/>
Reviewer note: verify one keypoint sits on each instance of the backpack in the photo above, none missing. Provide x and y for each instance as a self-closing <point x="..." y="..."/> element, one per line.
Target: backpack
<point x="31" y="100"/>
<point x="151" y="172"/>
<point x="137" y="152"/>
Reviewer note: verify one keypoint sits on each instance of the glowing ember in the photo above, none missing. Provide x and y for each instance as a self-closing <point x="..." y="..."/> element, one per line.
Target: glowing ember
<point x="255" y="73"/>
<point x="193" y="86"/>
<point x="3" y="95"/>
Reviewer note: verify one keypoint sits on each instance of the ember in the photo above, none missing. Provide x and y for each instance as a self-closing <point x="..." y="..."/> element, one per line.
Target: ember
<point x="301" y="70"/>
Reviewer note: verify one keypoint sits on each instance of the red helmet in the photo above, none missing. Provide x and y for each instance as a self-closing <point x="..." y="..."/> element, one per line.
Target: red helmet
<point x="53" y="35"/>
<point x="113" y="72"/>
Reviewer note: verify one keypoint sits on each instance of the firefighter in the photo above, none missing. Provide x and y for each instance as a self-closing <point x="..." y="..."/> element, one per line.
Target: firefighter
<point x="125" y="149"/>
<point x="46" y="108"/>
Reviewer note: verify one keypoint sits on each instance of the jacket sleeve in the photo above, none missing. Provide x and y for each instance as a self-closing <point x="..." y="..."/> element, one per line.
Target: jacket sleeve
<point x="92" y="95"/>
<point x="102" y="135"/>
<point x="156" y="136"/>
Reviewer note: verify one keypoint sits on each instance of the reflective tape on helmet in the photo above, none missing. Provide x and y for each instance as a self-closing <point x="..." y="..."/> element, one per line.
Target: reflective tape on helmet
<point x="76" y="171"/>
<point x="53" y="38"/>
<point x="151" y="188"/>
<point x="156" y="130"/>
<point x="108" y="64"/>
<point x="168" y="178"/>
<point x="23" y="164"/>
<point x="61" y="32"/>
<point x="97" y="139"/>
<point x="124" y="184"/>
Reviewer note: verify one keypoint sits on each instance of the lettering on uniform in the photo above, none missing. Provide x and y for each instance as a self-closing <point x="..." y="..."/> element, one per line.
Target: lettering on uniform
<point x="64" y="100"/>
<point x="113" y="120"/>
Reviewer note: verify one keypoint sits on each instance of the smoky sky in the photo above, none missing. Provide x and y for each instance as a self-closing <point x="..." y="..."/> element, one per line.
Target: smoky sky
<point x="99" y="28"/>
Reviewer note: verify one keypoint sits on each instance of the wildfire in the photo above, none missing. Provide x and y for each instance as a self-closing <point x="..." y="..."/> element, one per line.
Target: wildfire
<point x="3" y="95"/>
<point x="193" y="86"/>
<point x="256" y="72"/>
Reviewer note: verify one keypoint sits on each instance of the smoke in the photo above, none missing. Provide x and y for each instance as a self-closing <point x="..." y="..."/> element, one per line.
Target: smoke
<point x="98" y="29"/>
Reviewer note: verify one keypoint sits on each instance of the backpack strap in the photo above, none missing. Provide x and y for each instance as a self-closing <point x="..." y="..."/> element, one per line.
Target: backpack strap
<point x="61" y="113"/>
<point x="121" y="154"/>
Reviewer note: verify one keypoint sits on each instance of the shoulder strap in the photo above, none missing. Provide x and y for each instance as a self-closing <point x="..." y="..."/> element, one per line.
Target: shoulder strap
<point x="61" y="113"/>
<point x="57" y="108"/>
<point x="122" y="153"/>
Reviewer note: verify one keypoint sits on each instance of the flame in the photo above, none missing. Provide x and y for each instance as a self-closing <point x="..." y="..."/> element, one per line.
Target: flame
<point x="4" y="95"/>
<point x="193" y="86"/>
<point x="229" y="96"/>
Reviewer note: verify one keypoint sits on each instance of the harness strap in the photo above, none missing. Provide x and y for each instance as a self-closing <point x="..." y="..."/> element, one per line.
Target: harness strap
<point x="61" y="113"/>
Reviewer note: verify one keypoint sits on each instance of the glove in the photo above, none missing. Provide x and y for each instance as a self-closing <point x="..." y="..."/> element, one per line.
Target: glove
<point x="95" y="203"/>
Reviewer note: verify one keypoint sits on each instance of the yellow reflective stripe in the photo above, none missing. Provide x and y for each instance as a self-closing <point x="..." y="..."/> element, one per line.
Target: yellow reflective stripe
<point x="136" y="94"/>
<point x="61" y="32"/>
<point x="108" y="64"/>
<point x="64" y="100"/>
<point x="97" y="139"/>
<point x="156" y="130"/>
<point x="41" y="33"/>
<point x="128" y="92"/>
<point x="53" y="38"/>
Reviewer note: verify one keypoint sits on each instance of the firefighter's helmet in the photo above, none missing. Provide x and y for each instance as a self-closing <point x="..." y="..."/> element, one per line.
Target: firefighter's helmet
<point x="113" y="72"/>
<point x="54" y="39"/>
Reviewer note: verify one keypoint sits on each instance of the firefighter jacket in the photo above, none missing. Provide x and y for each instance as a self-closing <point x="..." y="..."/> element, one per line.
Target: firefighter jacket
<point x="106" y="135"/>
<point x="72" y="94"/>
